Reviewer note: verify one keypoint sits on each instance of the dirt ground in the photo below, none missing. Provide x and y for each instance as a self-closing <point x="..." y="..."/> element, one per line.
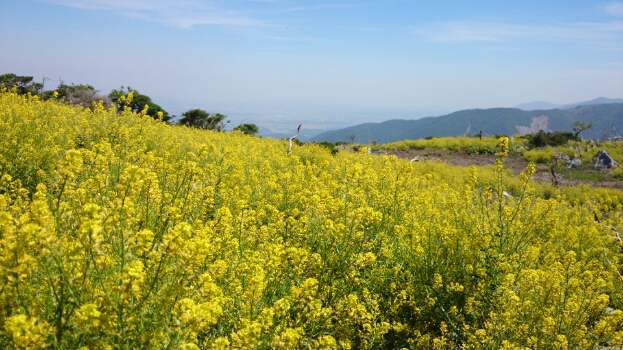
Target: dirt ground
<point x="514" y="162"/>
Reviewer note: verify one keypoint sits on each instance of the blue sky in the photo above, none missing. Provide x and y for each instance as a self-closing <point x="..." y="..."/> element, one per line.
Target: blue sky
<point x="343" y="61"/>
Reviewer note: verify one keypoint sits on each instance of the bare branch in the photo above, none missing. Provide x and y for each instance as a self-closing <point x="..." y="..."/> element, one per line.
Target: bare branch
<point x="606" y="226"/>
<point x="298" y="130"/>
<point x="556" y="177"/>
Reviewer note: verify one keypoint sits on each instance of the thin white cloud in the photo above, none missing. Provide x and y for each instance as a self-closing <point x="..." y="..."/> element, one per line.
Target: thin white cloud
<point x="615" y="9"/>
<point x="320" y="7"/>
<point x="179" y="13"/>
<point x="366" y="29"/>
<point x="608" y="35"/>
<point x="294" y="39"/>
<point x="186" y="13"/>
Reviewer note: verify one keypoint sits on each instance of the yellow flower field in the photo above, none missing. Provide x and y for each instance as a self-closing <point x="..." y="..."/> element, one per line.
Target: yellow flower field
<point x="121" y="232"/>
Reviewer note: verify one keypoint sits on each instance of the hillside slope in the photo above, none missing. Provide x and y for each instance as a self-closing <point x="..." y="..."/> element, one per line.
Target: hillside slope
<point x="118" y="231"/>
<point x="492" y="121"/>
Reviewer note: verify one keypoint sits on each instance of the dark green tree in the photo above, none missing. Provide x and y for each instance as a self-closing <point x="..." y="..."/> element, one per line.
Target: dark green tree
<point x="247" y="129"/>
<point x="138" y="103"/>
<point x="23" y="84"/>
<point x="198" y="118"/>
<point x="556" y="138"/>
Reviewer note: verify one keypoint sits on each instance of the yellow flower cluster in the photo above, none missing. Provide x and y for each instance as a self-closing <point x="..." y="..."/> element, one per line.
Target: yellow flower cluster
<point x="502" y="146"/>
<point x="118" y="231"/>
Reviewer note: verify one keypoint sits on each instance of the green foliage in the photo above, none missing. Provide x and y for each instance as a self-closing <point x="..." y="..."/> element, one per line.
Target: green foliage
<point x="579" y="126"/>
<point x="297" y="142"/>
<point x="138" y="103"/>
<point x="480" y="150"/>
<point x="329" y="145"/>
<point x="586" y="176"/>
<point x="63" y="90"/>
<point x="247" y="129"/>
<point x="557" y="138"/>
<point x="23" y="84"/>
<point x="198" y="118"/>
<point x="539" y="155"/>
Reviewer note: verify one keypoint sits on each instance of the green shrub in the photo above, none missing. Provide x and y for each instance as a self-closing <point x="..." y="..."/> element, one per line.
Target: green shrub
<point x="330" y="146"/>
<point x="481" y="149"/>
<point x="541" y="155"/>
<point x="557" y="138"/>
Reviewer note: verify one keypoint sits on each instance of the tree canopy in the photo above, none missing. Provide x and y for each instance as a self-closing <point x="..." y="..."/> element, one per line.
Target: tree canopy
<point x="138" y="103"/>
<point x="247" y="129"/>
<point x="579" y="126"/>
<point x="198" y="118"/>
<point x="23" y="84"/>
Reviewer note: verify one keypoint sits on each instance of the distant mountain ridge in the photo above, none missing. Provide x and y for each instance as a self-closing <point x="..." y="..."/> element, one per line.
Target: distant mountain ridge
<point x="492" y="121"/>
<point x="541" y="105"/>
<point x="536" y="105"/>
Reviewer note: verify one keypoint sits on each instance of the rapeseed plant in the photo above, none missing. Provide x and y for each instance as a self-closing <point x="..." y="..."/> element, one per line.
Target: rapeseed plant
<point x="118" y="231"/>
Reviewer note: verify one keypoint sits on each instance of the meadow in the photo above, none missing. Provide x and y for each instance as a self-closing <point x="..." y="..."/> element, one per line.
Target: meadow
<point x="118" y="231"/>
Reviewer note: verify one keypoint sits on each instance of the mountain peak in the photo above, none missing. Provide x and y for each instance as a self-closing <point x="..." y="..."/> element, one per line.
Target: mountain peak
<point x="537" y="105"/>
<point x="543" y="105"/>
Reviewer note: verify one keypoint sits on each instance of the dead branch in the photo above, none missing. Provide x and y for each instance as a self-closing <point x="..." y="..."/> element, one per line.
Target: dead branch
<point x="298" y="130"/>
<point x="556" y="177"/>
<point x="606" y="226"/>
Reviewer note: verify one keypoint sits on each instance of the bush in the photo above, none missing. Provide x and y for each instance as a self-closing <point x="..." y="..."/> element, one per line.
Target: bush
<point x="543" y="155"/>
<point x="329" y="145"/>
<point x="557" y="138"/>
<point x="480" y="150"/>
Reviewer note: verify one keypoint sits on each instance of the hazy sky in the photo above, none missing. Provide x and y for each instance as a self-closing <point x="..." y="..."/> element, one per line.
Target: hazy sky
<point x="421" y="56"/>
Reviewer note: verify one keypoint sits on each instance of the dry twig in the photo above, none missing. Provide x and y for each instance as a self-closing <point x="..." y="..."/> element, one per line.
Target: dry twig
<point x="556" y="179"/>
<point x="293" y="137"/>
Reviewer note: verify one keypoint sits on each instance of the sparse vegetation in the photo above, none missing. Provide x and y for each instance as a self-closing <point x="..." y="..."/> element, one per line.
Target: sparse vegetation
<point x="486" y="145"/>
